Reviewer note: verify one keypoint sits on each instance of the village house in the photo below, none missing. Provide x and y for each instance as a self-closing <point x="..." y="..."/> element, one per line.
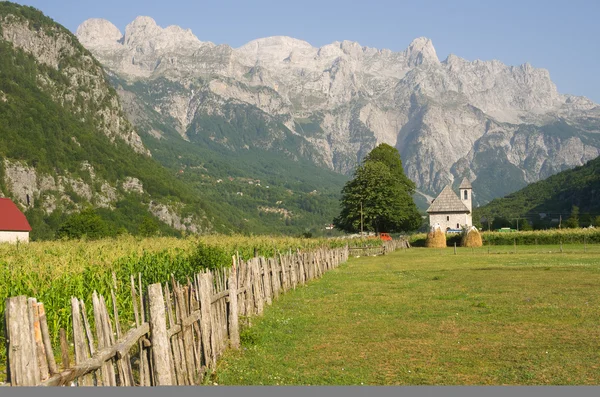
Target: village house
<point x="13" y="224"/>
<point x="452" y="212"/>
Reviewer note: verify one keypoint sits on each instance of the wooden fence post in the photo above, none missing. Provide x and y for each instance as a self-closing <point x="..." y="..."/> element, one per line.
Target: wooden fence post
<point x="187" y="336"/>
<point x="264" y="268"/>
<point x="206" y="311"/>
<point x="81" y="348"/>
<point x="23" y="367"/>
<point x="161" y="348"/>
<point x="284" y="273"/>
<point x="257" y="287"/>
<point x="46" y="339"/>
<point x="37" y="337"/>
<point x="64" y="349"/>
<point x="234" y="331"/>
<point x="275" y="278"/>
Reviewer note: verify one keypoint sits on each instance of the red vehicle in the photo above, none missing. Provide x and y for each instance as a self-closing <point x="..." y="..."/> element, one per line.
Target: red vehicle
<point x="385" y="236"/>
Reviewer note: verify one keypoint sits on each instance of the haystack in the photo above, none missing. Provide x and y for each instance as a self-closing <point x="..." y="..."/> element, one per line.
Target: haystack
<point x="471" y="238"/>
<point x="436" y="238"/>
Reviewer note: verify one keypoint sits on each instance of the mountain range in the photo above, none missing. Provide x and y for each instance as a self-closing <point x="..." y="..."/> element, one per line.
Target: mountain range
<point x="500" y="126"/>
<point x="154" y="124"/>
<point x="67" y="144"/>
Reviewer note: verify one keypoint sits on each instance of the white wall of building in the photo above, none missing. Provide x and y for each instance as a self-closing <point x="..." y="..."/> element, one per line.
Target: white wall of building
<point x="13" y="237"/>
<point x="451" y="220"/>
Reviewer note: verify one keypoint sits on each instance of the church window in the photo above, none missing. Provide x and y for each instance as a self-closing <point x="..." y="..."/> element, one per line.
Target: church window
<point x="457" y="226"/>
<point x="466" y="195"/>
<point x="447" y="218"/>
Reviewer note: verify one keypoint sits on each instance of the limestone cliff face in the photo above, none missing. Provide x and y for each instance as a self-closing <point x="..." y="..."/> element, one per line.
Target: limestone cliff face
<point x="82" y="84"/>
<point x="449" y="119"/>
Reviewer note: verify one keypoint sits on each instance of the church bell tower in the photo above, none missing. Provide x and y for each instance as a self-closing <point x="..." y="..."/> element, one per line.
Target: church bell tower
<point x="466" y="192"/>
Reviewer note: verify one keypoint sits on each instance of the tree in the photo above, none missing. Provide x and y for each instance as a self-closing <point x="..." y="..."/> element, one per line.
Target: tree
<point x="525" y="225"/>
<point x="500" y="222"/>
<point x="573" y="221"/>
<point x="148" y="227"/>
<point x="384" y="192"/>
<point x="86" y="223"/>
<point x="389" y="156"/>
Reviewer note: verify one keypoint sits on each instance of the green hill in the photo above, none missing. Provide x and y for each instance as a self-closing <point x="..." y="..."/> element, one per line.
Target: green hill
<point x="547" y="202"/>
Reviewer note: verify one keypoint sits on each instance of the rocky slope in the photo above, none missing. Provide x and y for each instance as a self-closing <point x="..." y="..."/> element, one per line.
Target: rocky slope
<point x="501" y="126"/>
<point x="65" y="143"/>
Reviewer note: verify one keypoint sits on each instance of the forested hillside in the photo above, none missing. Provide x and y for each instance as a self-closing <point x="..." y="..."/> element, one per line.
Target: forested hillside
<point x="551" y="201"/>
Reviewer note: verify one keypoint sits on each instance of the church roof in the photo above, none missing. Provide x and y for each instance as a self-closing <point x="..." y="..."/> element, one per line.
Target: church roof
<point x="465" y="184"/>
<point x="447" y="201"/>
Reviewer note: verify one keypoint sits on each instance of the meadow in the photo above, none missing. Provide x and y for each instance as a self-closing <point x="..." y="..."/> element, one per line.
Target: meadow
<point x="432" y="317"/>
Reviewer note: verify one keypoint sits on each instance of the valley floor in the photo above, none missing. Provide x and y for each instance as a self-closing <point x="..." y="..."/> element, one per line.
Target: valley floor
<point x="427" y="316"/>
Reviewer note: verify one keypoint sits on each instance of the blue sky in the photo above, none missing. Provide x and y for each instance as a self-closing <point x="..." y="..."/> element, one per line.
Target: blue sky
<point x="561" y="36"/>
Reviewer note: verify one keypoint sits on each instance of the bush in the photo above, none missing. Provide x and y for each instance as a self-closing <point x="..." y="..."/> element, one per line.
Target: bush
<point x="86" y="223"/>
<point x="210" y="257"/>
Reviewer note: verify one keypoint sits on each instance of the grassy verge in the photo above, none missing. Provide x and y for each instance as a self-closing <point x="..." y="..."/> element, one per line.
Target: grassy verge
<point x="532" y="237"/>
<point x="431" y="317"/>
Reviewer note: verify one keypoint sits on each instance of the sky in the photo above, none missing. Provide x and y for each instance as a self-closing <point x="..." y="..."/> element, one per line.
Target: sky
<point x="560" y="36"/>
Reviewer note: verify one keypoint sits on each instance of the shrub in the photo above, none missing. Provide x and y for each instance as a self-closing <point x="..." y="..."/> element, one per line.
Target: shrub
<point x="210" y="257"/>
<point x="86" y="223"/>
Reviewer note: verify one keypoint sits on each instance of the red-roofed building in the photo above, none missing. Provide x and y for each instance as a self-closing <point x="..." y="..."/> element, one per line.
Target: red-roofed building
<point x="13" y="224"/>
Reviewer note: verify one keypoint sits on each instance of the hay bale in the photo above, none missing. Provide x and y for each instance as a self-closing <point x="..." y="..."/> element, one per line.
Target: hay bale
<point x="436" y="238"/>
<point x="471" y="238"/>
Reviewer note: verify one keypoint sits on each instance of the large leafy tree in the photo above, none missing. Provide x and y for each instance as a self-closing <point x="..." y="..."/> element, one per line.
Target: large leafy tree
<point x="383" y="191"/>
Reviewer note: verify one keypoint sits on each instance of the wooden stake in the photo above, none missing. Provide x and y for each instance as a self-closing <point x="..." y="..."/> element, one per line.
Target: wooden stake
<point x="39" y="343"/>
<point x="64" y="349"/>
<point x="205" y="307"/>
<point x="161" y="353"/>
<point x="21" y="350"/>
<point x="46" y="338"/>
<point x="81" y="348"/>
<point x="234" y="332"/>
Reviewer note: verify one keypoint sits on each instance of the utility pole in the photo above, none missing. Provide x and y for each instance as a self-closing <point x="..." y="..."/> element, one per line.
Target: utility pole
<point x="560" y="221"/>
<point x="361" y="219"/>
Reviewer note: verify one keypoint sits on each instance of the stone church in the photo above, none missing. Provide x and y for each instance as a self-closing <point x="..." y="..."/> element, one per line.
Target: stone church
<point x="452" y="212"/>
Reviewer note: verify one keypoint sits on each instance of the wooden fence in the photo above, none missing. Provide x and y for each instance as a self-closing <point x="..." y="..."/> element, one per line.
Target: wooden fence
<point x="180" y="329"/>
<point x="387" y="246"/>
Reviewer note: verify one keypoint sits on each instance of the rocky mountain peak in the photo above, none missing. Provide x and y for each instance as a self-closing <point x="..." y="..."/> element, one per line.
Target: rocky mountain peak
<point x="144" y="33"/>
<point x="421" y="51"/>
<point x="98" y="32"/>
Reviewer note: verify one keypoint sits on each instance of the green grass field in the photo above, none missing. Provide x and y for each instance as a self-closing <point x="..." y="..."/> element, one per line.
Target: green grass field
<point x="427" y="316"/>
